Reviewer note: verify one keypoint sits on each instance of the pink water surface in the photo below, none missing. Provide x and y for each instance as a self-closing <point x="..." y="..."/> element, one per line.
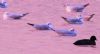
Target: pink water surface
<point x="16" y="37"/>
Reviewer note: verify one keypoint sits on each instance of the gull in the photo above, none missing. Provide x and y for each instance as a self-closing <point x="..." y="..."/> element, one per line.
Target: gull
<point x="13" y="16"/>
<point x="76" y="8"/>
<point x="3" y="4"/>
<point x="45" y="26"/>
<point x="78" y="20"/>
<point x="65" y="32"/>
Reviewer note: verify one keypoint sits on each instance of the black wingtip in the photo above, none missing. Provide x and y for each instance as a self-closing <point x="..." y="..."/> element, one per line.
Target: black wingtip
<point x="30" y="24"/>
<point x="63" y="18"/>
<point x="92" y="14"/>
<point x="86" y="4"/>
<point x="25" y="14"/>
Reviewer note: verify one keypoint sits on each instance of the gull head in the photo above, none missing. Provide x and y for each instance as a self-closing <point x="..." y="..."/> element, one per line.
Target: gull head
<point x="50" y="24"/>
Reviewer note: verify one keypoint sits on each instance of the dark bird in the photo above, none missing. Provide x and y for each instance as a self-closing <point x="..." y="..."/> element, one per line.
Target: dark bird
<point x="90" y="41"/>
